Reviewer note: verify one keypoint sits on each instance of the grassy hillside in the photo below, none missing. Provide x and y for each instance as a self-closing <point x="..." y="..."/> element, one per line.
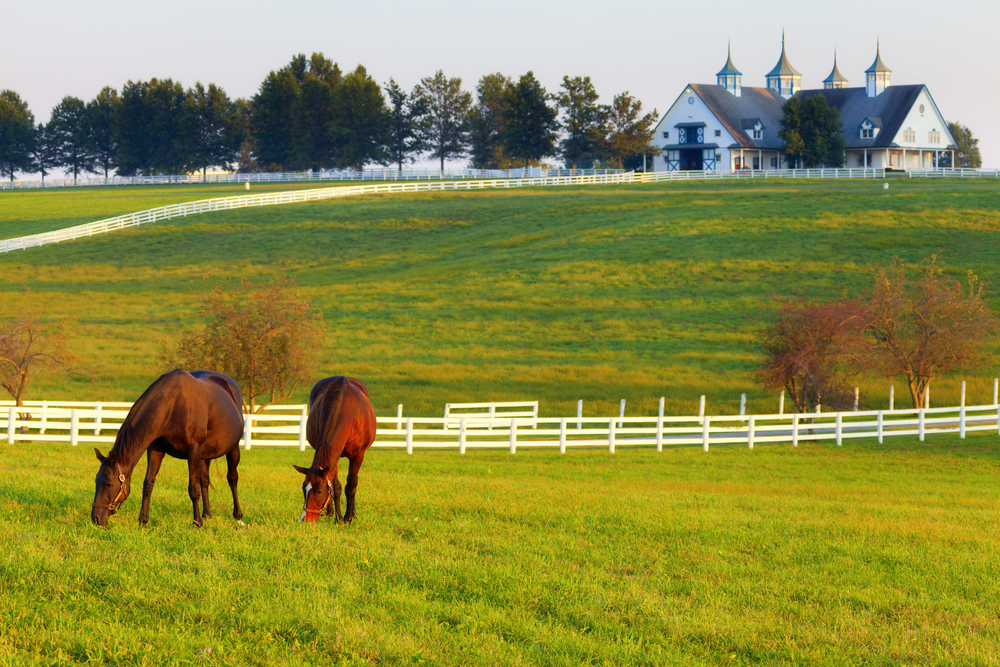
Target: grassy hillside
<point x="556" y="294"/>
<point x="861" y="555"/>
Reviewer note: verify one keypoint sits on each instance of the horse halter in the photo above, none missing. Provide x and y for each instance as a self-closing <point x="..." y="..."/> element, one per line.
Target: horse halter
<point x="120" y="498"/>
<point x="322" y="510"/>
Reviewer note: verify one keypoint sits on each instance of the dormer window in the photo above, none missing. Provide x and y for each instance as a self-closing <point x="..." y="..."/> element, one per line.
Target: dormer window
<point x="757" y="131"/>
<point x="868" y="129"/>
<point x="757" y="134"/>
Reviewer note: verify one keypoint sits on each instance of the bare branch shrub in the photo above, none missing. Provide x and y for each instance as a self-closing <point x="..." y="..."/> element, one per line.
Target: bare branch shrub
<point x="263" y="336"/>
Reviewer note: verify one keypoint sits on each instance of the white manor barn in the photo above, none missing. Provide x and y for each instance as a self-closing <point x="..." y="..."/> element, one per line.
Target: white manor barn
<point x="729" y="126"/>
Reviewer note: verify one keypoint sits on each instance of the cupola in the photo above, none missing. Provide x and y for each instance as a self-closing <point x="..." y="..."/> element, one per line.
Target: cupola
<point x="836" y="79"/>
<point x="877" y="76"/>
<point x="784" y="79"/>
<point x="729" y="77"/>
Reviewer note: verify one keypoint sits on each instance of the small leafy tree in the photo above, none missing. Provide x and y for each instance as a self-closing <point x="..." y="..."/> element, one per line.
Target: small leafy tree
<point x="585" y="121"/>
<point x="630" y="133"/>
<point x="530" y="124"/>
<point x="967" y="151"/>
<point x="487" y="122"/>
<point x="810" y="351"/>
<point x="265" y="337"/>
<point x="17" y="134"/>
<point x="444" y="124"/>
<point x="401" y="141"/>
<point x="68" y="134"/>
<point x="928" y="325"/>
<point x="811" y="130"/>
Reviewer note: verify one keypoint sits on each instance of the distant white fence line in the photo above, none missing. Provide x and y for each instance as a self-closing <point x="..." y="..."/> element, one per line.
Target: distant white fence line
<point x="285" y="425"/>
<point x="305" y="177"/>
<point x="298" y="196"/>
<point x="954" y="173"/>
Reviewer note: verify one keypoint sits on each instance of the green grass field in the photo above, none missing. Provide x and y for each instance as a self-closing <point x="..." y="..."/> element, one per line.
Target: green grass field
<point x="860" y="555"/>
<point x="555" y="294"/>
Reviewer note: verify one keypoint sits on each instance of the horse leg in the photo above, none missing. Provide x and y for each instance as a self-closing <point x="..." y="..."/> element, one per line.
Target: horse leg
<point x="195" y="465"/>
<point x="206" y="510"/>
<point x="336" y="494"/>
<point x="352" y="485"/>
<point x="233" y="461"/>
<point x="153" y="461"/>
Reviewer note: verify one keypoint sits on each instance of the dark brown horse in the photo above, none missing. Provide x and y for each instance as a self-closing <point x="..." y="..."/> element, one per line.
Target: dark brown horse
<point x="194" y="416"/>
<point x="341" y="424"/>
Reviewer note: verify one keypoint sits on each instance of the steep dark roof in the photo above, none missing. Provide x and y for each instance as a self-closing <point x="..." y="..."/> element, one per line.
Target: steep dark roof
<point x="891" y="106"/>
<point x="762" y="103"/>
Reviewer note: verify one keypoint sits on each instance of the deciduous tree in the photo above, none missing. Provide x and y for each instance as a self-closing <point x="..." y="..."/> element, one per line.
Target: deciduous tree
<point x="265" y="337"/>
<point x="530" y="124"/>
<point x="444" y="125"/>
<point x="362" y="121"/>
<point x="402" y="143"/>
<point x="967" y="151"/>
<point x="17" y="134"/>
<point x="103" y="141"/>
<point x="811" y="350"/>
<point x="68" y="132"/>
<point x="487" y="123"/>
<point x="631" y="134"/>
<point x="584" y="120"/>
<point x="811" y="130"/>
<point x="211" y="132"/>
<point x="43" y="153"/>
<point x="925" y="325"/>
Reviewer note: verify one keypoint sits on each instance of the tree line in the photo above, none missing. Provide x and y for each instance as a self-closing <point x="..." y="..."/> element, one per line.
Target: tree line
<point x="311" y="115"/>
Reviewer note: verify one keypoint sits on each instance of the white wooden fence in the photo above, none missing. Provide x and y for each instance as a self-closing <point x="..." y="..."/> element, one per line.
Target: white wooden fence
<point x="285" y="425"/>
<point x="298" y="196"/>
<point x="304" y="176"/>
<point x="954" y="173"/>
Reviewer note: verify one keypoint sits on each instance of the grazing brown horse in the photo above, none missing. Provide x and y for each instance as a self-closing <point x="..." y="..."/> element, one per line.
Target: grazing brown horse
<point x="195" y="416"/>
<point x="341" y="424"/>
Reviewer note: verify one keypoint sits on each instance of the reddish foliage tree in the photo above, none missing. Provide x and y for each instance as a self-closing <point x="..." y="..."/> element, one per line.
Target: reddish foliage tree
<point x="811" y="350"/>
<point x="920" y="328"/>
<point x="263" y="336"/>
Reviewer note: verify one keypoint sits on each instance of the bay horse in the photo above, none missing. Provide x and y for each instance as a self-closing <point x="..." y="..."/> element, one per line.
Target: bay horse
<point x="195" y="416"/>
<point x="341" y="425"/>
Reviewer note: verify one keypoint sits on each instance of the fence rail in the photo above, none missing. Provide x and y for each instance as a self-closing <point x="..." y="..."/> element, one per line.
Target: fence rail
<point x="285" y="425"/>
<point x="954" y="173"/>
<point x="306" y="177"/>
<point x="299" y="196"/>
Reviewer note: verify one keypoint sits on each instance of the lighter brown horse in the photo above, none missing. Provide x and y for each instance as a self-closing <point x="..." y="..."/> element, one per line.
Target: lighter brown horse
<point x="341" y="425"/>
<point x="194" y="416"/>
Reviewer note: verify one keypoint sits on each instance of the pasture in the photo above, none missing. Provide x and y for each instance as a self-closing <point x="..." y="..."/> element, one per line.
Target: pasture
<point x="554" y="294"/>
<point x="861" y="554"/>
<point x="864" y="554"/>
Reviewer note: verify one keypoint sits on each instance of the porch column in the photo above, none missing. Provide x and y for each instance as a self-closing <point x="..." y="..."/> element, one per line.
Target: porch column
<point x="865" y="164"/>
<point x="760" y="159"/>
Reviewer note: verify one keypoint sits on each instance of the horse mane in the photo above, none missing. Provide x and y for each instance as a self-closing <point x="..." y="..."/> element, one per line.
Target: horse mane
<point x="134" y="430"/>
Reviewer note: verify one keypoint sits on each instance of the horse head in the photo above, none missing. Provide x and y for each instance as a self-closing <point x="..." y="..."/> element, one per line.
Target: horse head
<point x="112" y="488"/>
<point x="318" y="492"/>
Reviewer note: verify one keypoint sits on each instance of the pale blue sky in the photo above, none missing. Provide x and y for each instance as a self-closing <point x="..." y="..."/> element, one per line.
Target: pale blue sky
<point x="651" y="49"/>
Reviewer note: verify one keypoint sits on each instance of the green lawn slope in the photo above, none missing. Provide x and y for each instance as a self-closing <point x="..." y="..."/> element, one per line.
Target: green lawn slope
<point x="556" y="294"/>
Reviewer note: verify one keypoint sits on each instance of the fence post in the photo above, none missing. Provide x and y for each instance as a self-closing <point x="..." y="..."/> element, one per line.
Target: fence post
<point x="750" y="429"/>
<point x="743" y="404"/>
<point x="579" y="414"/>
<point x="781" y="402"/>
<point x="961" y="414"/>
<point x="399" y="417"/>
<point x="562" y="435"/>
<point x="855" y="399"/>
<point x="701" y="408"/>
<point x="247" y="430"/>
<point x="513" y="435"/>
<point x="621" y="414"/>
<point x="97" y="419"/>
<point x="45" y="417"/>
<point x="704" y="432"/>
<point x="10" y="426"/>
<point x="880" y="427"/>
<point x="839" y="428"/>
<point x="892" y="390"/>
<point x="611" y="435"/>
<point x="927" y="397"/>
<point x="74" y="422"/>
<point x="659" y="427"/>
<point x="534" y="416"/>
<point x="447" y="409"/>
<point x="920" y="425"/>
<point x="303" y="420"/>
<point x="996" y="386"/>
<point x="461" y="436"/>
<point x="493" y="413"/>
<point x="795" y="430"/>
<point x="409" y="435"/>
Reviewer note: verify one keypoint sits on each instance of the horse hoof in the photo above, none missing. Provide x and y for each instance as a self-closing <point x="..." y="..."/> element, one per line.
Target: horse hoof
<point x="197" y="524"/>
<point x="239" y="522"/>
